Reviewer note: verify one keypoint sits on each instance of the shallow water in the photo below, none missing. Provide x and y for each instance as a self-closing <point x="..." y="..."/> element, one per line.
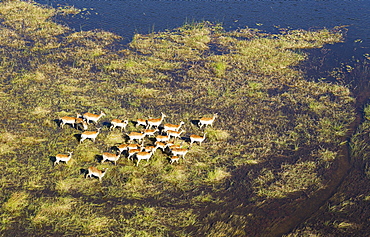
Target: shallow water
<point x="127" y="17"/>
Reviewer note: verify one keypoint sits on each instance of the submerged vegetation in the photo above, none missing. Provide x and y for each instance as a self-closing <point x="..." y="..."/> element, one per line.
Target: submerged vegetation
<point x="276" y="138"/>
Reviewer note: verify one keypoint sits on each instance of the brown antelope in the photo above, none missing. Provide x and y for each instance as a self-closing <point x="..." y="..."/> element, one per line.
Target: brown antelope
<point x="149" y="148"/>
<point x="140" y="122"/>
<point x="125" y="147"/>
<point x="132" y="152"/>
<point x="174" y="134"/>
<point x="155" y="122"/>
<point x="93" y="117"/>
<point x="172" y="127"/>
<point x="174" y="159"/>
<point x="161" y="145"/>
<point x="196" y="138"/>
<point x="94" y="171"/>
<point x="118" y="123"/>
<point x="89" y="134"/>
<point x="173" y="146"/>
<point x="110" y="157"/>
<point x="136" y="136"/>
<point x="62" y="157"/>
<point x="143" y="155"/>
<point x="150" y="132"/>
<point x="207" y="121"/>
<point x="161" y="138"/>
<point x="67" y="120"/>
<point x="179" y="152"/>
<point x="122" y="147"/>
<point x="82" y="122"/>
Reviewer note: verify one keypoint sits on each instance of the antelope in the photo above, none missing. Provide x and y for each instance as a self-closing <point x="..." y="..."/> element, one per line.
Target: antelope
<point x="173" y="146"/>
<point x="155" y="122"/>
<point x="143" y="155"/>
<point x="62" y="157"/>
<point x="118" y="123"/>
<point x="172" y="127"/>
<point x="92" y="117"/>
<point x="150" y="148"/>
<point x="161" y="145"/>
<point x="140" y="122"/>
<point x="207" y="121"/>
<point x="161" y="138"/>
<point x="179" y="152"/>
<point x="94" y="171"/>
<point x="136" y="136"/>
<point x="110" y="157"/>
<point x="89" y="134"/>
<point x="82" y="122"/>
<point x="196" y="138"/>
<point x="125" y="147"/>
<point x="174" y="134"/>
<point x="150" y="132"/>
<point x="67" y="120"/>
<point x="122" y="147"/>
<point x="132" y="152"/>
<point x="174" y="159"/>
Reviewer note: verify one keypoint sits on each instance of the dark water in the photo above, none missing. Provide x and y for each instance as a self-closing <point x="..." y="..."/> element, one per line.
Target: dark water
<point x="127" y="17"/>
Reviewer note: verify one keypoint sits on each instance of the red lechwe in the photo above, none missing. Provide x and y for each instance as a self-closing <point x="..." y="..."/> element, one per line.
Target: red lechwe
<point x="62" y="157"/>
<point x="196" y="138"/>
<point x="172" y="127"/>
<point x="143" y="155"/>
<point x="207" y="121"/>
<point x="93" y="171"/>
<point x="89" y="134"/>
<point x="92" y="117"/>
<point x="118" y="123"/>
<point x="155" y="122"/>
<point x="110" y="157"/>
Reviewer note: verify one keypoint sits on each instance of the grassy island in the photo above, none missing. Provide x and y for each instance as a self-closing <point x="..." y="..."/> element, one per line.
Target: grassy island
<point x="275" y="141"/>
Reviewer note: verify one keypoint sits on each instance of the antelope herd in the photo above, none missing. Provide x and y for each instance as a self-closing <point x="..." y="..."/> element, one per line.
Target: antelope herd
<point x="153" y="130"/>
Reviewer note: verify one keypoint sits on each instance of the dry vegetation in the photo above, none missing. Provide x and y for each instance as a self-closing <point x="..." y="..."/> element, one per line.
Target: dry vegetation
<point x="275" y="141"/>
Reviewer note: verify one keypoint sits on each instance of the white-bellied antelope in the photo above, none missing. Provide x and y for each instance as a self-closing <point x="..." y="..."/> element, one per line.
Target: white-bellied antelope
<point x="207" y="121"/>
<point x="122" y="147"/>
<point x="143" y="155"/>
<point x="118" y="123"/>
<point x="160" y="145"/>
<point x="110" y="157"/>
<point x="172" y="127"/>
<point x="150" y="132"/>
<point x="127" y="147"/>
<point x="136" y="136"/>
<point x="155" y="122"/>
<point x="174" y="159"/>
<point x="96" y="172"/>
<point x="173" y="146"/>
<point x="92" y="117"/>
<point x="89" y="134"/>
<point x="196" y="138"/>
<point x="67" y="120"/>
<point x="62" y="157"/>
<point x="174" y="134"/>
<point x="140" y="122"/>
<point x="82" y="122"/>
<point x="149" y="148"/>
<point x="132" y="152"/>
<point x="179" y="152"/>
<point x="162" y="138"/>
